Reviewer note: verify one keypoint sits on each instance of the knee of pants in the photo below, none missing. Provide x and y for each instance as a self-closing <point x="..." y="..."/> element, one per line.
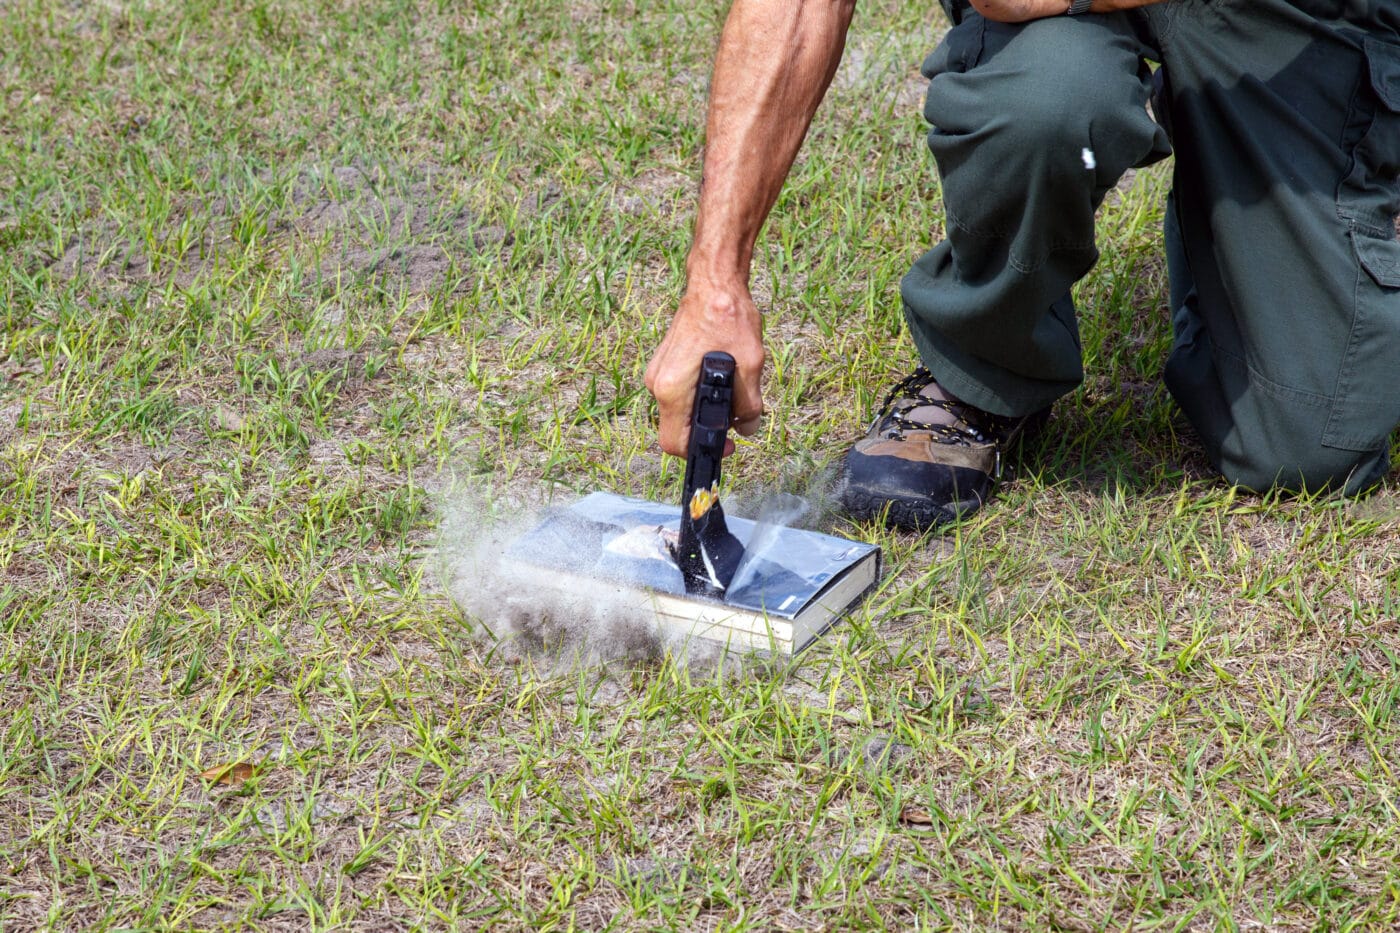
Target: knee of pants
<point x="1025" y="142"/>
<point x="1054" y="99"/>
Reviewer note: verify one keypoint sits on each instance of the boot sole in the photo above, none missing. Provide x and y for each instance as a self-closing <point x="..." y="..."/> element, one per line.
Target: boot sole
<point x="905" y="513"/>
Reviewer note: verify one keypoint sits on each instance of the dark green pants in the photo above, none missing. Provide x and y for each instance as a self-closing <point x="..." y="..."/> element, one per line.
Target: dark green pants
<point x="1284" y="266"/>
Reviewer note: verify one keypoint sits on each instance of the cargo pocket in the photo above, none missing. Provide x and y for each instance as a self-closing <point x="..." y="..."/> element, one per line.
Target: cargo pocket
<point x="1366" y="406"/>
<point x="1369" y="195"/>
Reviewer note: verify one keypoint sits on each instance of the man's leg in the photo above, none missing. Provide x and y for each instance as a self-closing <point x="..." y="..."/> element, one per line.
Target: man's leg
<point x="1281" y="240"/>
<point x="1032" y="125"/>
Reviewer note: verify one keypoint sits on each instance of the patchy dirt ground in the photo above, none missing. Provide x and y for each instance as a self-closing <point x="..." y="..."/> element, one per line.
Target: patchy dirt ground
<point x="284" y="285"/>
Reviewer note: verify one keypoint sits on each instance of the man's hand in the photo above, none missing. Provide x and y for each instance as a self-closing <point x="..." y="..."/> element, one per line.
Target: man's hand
<point x="1019" y="11"/>
<point x="709" y="318"/>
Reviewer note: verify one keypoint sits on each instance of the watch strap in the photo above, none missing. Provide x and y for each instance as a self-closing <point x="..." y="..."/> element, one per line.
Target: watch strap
<point x="1077" y="7"/>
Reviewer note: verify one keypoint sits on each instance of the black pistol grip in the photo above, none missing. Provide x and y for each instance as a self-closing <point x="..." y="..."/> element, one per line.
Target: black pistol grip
<point x="709" y="422"/>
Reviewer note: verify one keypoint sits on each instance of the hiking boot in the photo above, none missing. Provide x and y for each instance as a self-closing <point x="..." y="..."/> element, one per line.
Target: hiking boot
<point x="929" y="458"/>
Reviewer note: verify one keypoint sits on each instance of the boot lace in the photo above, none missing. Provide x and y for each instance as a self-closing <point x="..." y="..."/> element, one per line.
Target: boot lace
<point x="975" y="426"/>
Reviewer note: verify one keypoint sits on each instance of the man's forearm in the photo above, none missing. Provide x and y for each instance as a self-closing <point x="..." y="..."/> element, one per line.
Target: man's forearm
<point x="775" y="60"/>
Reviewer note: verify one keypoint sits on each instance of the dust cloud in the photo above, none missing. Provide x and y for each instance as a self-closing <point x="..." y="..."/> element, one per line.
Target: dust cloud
<point x="526" y="613"/>
<point x="583" y="622"/>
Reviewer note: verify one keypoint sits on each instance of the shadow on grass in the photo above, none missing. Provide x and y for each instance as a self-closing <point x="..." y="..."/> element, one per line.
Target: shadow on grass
<point x="1091" y="446"/>
<point x="1134" y="443"/>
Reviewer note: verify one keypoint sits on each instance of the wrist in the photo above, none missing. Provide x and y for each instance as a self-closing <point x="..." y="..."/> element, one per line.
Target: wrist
<point x="707" y="274"/>
<point x="719" y="304"/>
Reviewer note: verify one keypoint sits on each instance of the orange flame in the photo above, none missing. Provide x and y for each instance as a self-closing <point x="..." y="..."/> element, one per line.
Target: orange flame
<point x="701" y="502"/>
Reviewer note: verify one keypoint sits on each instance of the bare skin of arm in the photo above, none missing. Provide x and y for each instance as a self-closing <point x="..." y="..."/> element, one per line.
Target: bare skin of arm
<point x="775" y="61"/>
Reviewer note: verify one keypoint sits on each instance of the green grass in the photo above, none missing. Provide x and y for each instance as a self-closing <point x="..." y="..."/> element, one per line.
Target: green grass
<point x="277" y="278"/>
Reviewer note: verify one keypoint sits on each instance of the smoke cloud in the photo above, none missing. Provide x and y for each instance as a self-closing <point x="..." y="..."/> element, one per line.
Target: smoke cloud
<point x="589" y="622"/>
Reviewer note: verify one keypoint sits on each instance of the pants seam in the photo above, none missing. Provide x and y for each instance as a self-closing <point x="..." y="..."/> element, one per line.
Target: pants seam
<point x="1020" y="265"/>
<point x="1268" y="386"/>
